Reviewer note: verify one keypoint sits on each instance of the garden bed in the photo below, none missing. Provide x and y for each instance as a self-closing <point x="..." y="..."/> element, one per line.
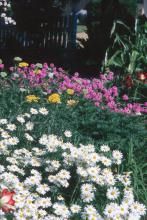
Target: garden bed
<point x="66" y="153"/>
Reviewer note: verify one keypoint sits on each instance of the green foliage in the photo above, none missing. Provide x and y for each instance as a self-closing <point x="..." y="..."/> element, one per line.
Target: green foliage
<point x="131" y="55"/>
<point x="127" y="56"/>
<point x="101" y="17"/>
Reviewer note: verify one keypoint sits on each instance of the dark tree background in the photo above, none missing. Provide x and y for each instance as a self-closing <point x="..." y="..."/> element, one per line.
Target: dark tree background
<point x="33" y="15"/>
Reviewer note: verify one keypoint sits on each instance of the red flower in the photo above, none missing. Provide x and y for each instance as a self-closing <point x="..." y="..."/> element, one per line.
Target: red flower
<point x="129" y="81"/>
<point x="6" y="200"/>
<point x="142" y="76"/>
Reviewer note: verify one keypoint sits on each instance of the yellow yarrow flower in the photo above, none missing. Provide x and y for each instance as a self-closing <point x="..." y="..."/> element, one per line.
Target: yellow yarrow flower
<point x="23" y="64"/>
<point x="54" y="98"/>
<point x="70" y="91"/>
<point x="32" y="98"/>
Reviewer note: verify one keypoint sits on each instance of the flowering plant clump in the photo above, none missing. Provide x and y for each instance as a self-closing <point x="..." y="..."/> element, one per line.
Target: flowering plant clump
<point x="6" y="12"/>
<point x="102" y="91"/>
<point x="44" y="176"/>
<point x="23" y="64"/>
<point x="70" y="91"/>
<point x="54" y="98"/>
<point x="71" y="102"/>
<point x="32" y="98"/>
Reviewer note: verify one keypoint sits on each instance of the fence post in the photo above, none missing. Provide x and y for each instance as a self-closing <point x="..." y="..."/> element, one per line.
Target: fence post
<point x="73" y="29"/>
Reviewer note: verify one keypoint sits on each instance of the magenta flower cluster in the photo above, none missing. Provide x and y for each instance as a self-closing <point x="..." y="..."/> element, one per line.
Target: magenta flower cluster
<point x="102" y="90"/>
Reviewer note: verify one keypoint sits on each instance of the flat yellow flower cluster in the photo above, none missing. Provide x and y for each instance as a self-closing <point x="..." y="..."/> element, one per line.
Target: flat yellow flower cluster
<point x="70" y="91"/>
<point x="32" y="98"/>
<point x="23" y="64"/>
<point x="54" y="98"/>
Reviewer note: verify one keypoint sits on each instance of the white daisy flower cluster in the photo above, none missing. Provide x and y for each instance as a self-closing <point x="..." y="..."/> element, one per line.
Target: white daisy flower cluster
<point x="6" y="11"/>
<point x="56" y="180"/>
<point x="7" y="140"/>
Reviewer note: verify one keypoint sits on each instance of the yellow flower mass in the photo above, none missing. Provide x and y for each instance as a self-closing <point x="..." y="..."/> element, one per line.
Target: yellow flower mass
<point x="70" y="91"/>
<point x="32" y="98"/>
<point x="54" y="98"/>
<point x="23" y="64"/>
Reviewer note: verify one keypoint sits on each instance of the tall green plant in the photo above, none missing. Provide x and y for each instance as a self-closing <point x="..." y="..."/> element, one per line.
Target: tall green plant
<point x="101" y="15"/>
<point x="128" y="57"/>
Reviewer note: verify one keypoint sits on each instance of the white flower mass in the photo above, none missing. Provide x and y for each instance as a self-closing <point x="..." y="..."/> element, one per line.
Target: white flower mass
<point x="5" y="12"/>
<point x="57" y="180"/>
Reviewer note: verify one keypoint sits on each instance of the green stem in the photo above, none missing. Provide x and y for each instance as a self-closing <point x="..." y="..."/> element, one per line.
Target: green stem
<point x="75" y="189"/>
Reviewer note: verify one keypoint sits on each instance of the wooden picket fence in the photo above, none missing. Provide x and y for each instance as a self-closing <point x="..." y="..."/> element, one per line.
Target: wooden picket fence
<point x="57" y="36"/>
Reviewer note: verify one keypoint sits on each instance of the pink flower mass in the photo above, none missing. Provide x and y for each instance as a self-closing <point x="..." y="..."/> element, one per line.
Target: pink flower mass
<point x="98" y="90"/>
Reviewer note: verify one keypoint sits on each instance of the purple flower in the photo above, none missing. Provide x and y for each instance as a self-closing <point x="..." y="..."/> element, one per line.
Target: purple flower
<point x="125" y="97"/>
<point x="110" y="76"/>
<point x="1" y="66"/>
<point x="11" y="68"/>
<point x="45" y="66"/>
<point x="97" y="104"/>
<point x="76" y="74"/>
<point x="32" y="66"/>
<point x="115" y="90"/>
<point x="52" y="65"/>
<point x="129" y="105"/>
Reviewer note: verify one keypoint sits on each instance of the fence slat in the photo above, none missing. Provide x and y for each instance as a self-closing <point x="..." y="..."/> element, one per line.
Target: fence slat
<point x="57" y="35"/>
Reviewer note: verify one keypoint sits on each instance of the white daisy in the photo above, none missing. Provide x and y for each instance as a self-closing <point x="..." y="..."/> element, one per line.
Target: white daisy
<point x="104" y="148"/>
<point x="11" y="127"/>
<point x="43" y="111"/>
<point x="68" y="133"/>
<point x="112" y="193"/>
<point x="34" y="111"/>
